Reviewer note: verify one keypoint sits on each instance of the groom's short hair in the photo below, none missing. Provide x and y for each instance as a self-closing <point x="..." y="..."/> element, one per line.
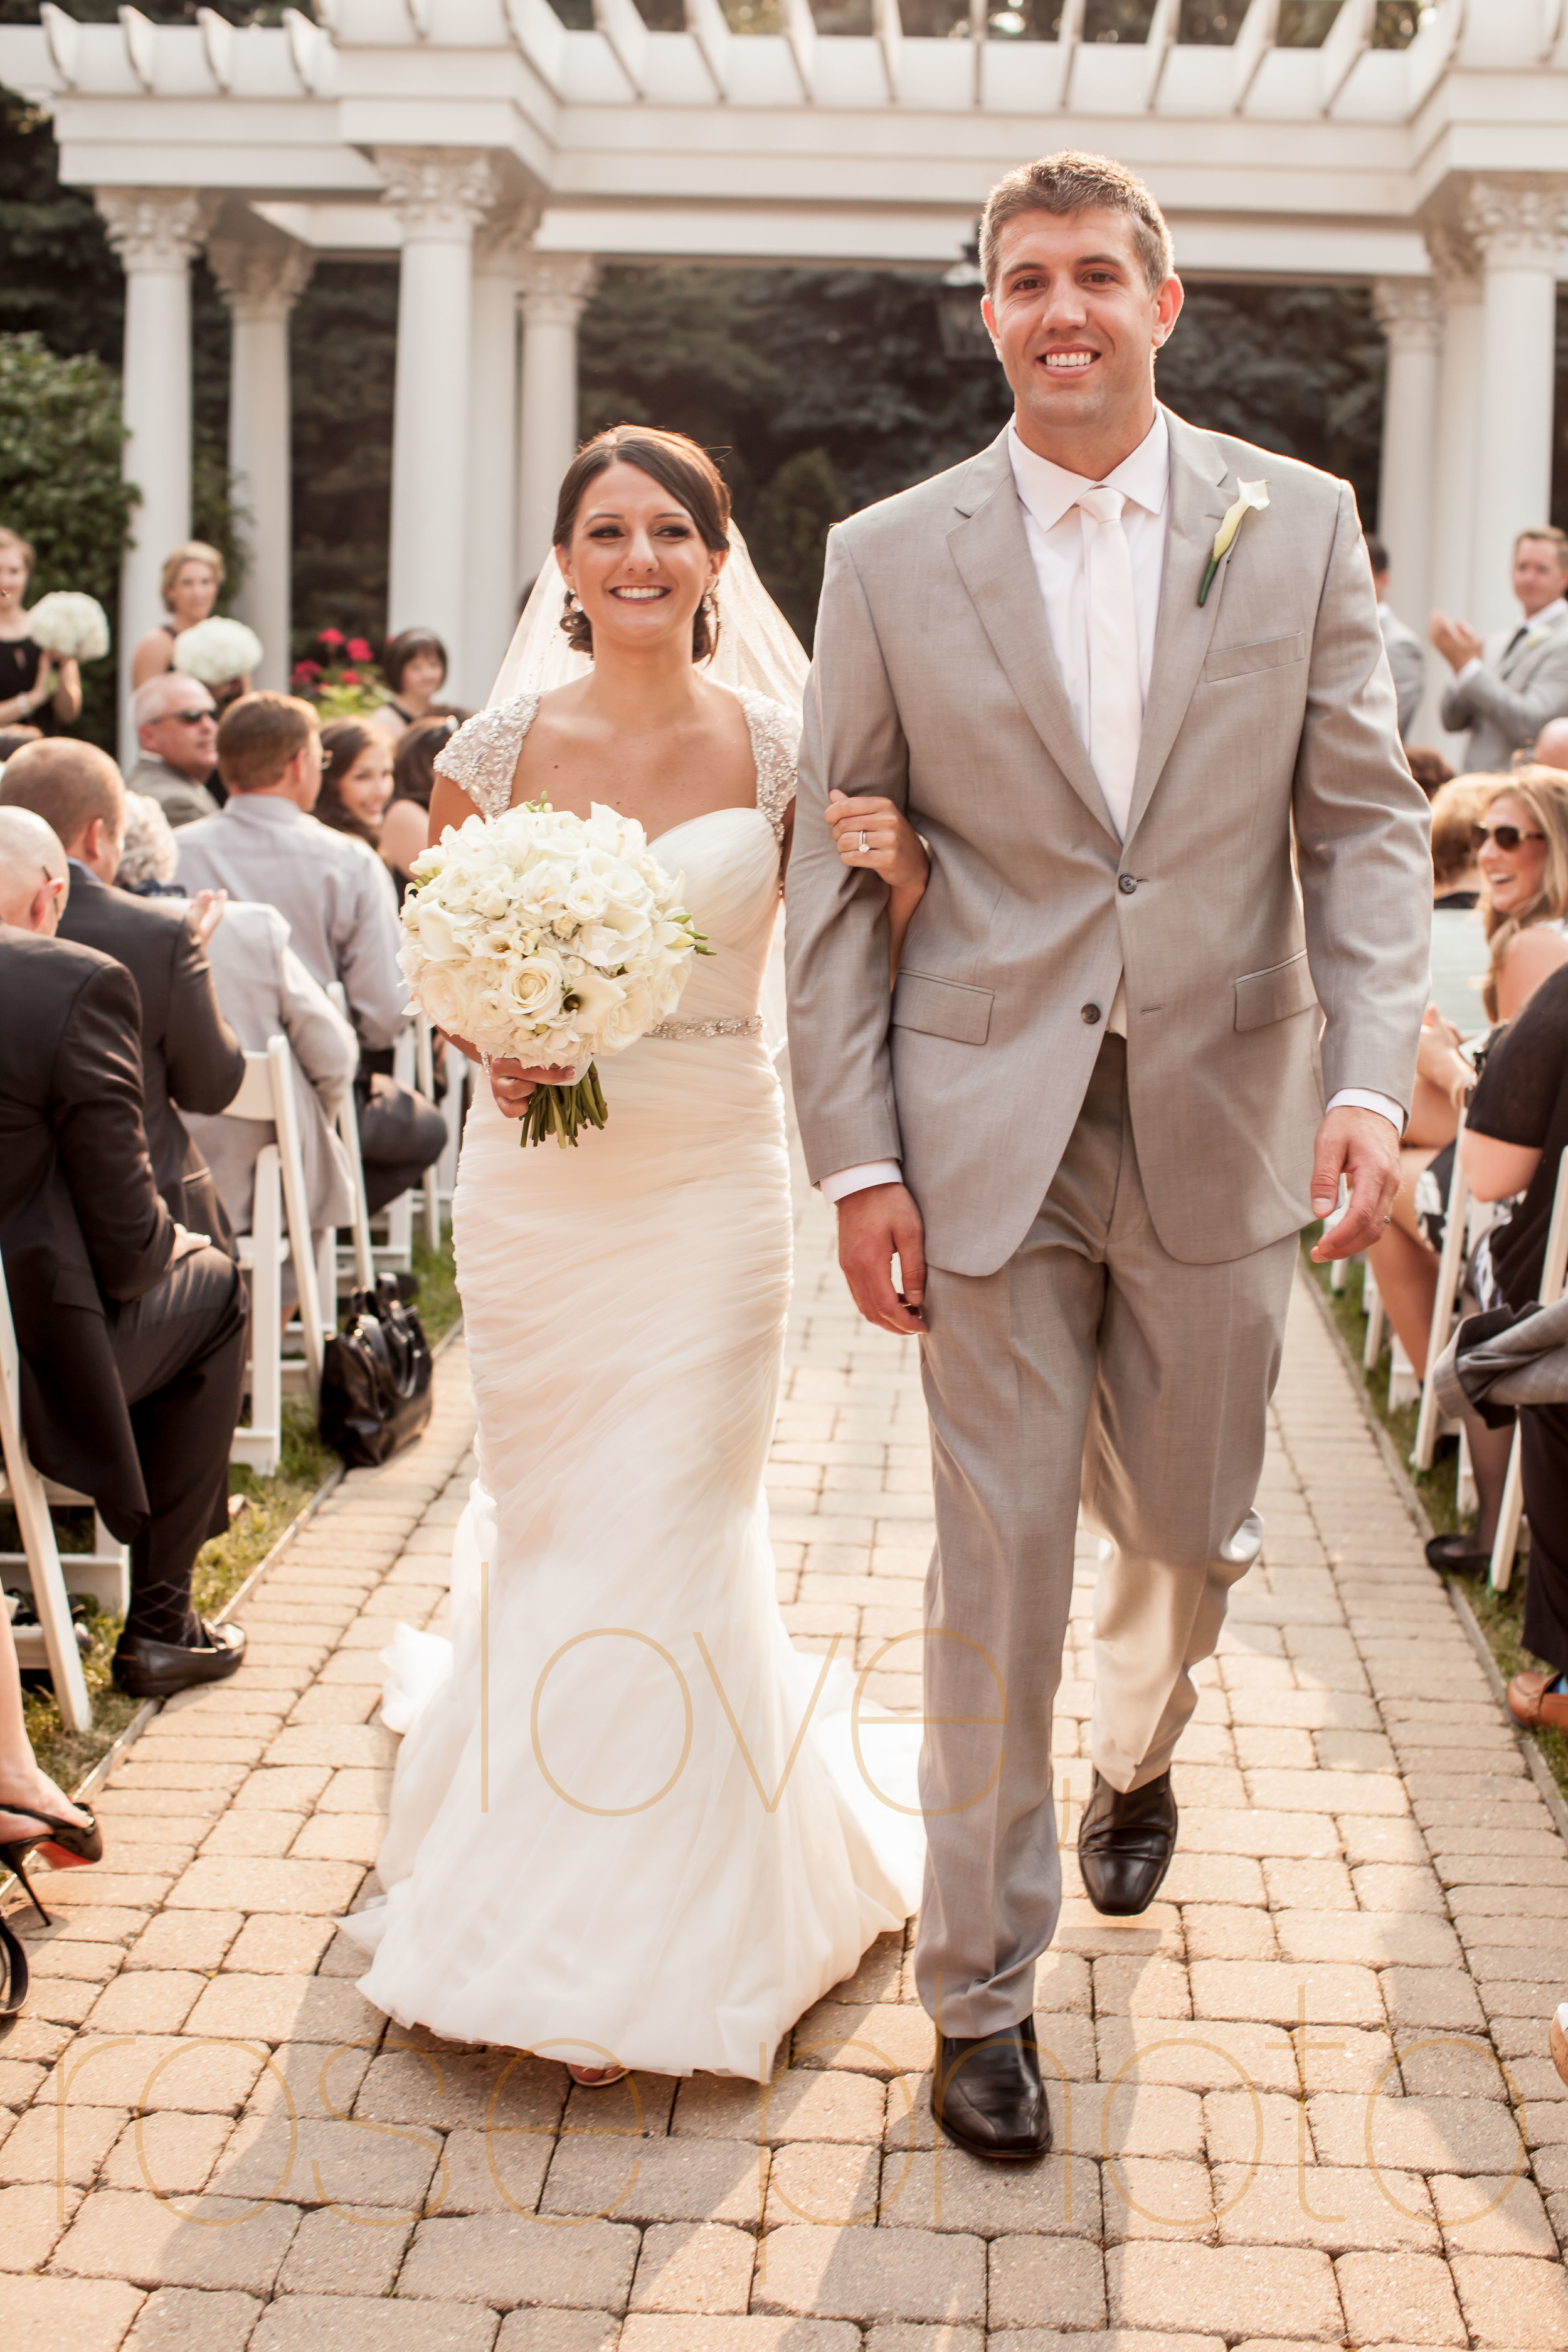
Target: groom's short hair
<point x="1070" y="183"/>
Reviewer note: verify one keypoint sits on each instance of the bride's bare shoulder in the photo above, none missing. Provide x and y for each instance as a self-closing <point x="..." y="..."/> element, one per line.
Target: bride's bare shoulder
<point x="481" y="758"/>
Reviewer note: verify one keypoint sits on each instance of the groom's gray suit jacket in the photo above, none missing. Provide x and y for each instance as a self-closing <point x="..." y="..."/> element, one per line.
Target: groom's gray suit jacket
<point x="1269" y="751"/>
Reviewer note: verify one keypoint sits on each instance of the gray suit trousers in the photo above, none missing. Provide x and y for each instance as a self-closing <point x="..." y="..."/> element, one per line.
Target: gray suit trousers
<point x="1092" y="1366"/>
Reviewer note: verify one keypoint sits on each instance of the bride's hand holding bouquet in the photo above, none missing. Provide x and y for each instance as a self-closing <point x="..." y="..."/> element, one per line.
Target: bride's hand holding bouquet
<point x="546" y="941"/>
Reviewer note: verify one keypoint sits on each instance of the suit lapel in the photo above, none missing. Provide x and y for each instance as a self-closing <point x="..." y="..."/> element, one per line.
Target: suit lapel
<point x="1199" y="497"/>
<point x="991" y="554"/>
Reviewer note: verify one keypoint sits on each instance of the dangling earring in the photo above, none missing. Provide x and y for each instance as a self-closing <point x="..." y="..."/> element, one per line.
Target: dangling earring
<point x="571" y="604"/>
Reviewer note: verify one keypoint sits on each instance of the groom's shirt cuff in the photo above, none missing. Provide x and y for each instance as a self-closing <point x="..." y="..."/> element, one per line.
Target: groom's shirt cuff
<point x="1355" y="1098"/>
<point x="839" y="1186"/>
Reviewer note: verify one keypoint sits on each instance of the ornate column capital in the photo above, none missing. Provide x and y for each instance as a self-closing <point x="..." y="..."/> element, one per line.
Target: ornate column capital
<point x="260" y="278"/>
<point x="154" y="229"/>
<point x="1456" y="260"/>
<point x="1410" y="313"/>
<point x="503" y="244"/>
<point x="440" y="194"/>
<point x="557" y="288"/>
<point x="1519" y="219"/>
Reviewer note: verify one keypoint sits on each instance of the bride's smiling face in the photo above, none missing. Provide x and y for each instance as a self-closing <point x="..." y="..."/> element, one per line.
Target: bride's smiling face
<point x="637" y="561"/>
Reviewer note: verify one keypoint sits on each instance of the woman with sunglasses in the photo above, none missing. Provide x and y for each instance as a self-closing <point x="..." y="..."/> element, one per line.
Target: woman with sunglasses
<point x="1520" y="841"/>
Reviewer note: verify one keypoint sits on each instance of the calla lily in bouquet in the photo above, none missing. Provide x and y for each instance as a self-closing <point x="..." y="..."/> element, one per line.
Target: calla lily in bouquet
<point x="69" y="625"/>
<point x="217" y="649"/>
<point x="556" y="938"/>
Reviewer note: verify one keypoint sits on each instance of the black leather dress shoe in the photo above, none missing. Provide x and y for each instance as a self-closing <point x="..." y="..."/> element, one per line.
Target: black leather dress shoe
<point x="988" y="2095"/>
<point x="158" y="1669"/>
<point x="1125" y="1844"/>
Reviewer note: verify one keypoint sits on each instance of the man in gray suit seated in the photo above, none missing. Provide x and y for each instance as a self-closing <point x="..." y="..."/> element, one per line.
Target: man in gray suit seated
<point x="1506" y="686"/>
<point x="1406" y="653"/>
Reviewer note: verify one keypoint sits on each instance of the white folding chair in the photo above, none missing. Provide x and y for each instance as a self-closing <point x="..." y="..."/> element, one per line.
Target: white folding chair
<point x="279" y="1234"/>
<point x="1553" y="1274"/>
<point x="1376" y="1319"/>
<point x="425" y="1079"/>
<point x="453" y="1109"/>
<point x="29" y="1498"/>
<point x="1450" y="1268"/>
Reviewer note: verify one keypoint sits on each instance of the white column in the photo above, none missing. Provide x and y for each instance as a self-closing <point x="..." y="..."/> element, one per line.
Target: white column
<point x="439" y="195"/>
<point x="499" y="255"/>
<point x="1411" y="316"/>
<point x="1516" y="224"/>
<point x="556" y="289"/>
<point x="156" y="232"/>
<point x="261" y="279"/>
<point x="1457" y="266"/>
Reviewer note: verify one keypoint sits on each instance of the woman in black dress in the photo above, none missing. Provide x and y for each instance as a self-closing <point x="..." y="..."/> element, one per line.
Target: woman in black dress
<point x="36" y="689"/>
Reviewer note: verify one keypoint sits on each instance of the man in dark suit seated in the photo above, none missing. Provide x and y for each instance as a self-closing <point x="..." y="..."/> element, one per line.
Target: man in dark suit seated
<point x="190" y="1056"/>
<point x="130" y="1329"/>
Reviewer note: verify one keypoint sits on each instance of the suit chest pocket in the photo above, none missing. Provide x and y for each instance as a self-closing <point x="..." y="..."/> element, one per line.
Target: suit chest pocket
<point x="1266" y="653"/>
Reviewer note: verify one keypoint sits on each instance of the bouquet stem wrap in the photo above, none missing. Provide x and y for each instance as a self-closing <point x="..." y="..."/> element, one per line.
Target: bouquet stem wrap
<point x="552" y="940"/>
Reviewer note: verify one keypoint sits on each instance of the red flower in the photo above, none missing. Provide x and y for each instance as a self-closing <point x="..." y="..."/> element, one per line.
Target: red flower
<point x="306" y="669"/>
<point x="330" y="637"/>
<point x="358" y="650"/>
<point x="349" y="677"/>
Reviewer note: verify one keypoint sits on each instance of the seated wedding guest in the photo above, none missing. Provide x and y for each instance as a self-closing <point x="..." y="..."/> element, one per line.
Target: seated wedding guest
<point x="149" y="858"/>
<point x="36" y="687"/>
<point x="1429" y="767"/>
<point x="191" y="1058"/>
<point x="1406" y="653"/>
<point x="356" y="778"/>
<point x="415" y="667"/>
<point x="1506" y="686"/>
<point x="1514" y="1138"/>
<point x="130" y="1329"/>
<point x="1459" y="927"/>
<point x="1551" y="745"/>
<point x="189" y="582"/>
<point x="406" y="827"/>
<point x="1520" y="849"/>
<point x="176" y="727"/>
<point x="266" y="991"/>
<point x="331" y="890"/>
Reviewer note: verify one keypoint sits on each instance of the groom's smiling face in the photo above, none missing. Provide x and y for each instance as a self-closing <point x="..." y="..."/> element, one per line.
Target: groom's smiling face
<point x="1077" y="325"/>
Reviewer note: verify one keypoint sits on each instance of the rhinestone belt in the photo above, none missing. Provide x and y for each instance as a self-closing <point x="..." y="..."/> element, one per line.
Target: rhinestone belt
<point x="730" y="1024"/>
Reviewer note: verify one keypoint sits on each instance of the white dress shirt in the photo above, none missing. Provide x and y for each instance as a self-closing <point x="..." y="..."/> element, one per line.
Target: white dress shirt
<point x="1057" y="533"/>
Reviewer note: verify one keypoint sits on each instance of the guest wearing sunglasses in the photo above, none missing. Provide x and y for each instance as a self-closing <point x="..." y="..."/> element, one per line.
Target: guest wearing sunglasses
<point x="176" y="726"/>
<point x="1520" y="842"/>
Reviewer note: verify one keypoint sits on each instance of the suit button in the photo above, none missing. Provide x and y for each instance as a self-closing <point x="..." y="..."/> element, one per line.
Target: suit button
<point x="1127" y="884"/>
<point x="1091" y="1014"/>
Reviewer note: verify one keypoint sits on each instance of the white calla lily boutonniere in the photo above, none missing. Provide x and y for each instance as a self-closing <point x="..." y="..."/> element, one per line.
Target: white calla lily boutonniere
<point x="1253" y="496"/>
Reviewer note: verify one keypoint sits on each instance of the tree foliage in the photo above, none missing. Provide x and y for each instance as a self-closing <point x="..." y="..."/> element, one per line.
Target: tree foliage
<point x="60" y="438"/>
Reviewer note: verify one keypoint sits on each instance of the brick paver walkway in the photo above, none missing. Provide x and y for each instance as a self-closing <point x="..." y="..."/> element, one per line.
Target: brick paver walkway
<point x="1306" y="2095"/>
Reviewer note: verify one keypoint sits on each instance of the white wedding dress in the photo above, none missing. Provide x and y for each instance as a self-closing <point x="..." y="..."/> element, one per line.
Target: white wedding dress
<point x="606" y="1854"/>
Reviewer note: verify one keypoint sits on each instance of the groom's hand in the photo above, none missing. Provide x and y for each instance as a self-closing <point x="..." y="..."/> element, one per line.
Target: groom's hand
<point x="1362" y="1146"/>
<point x="873" y="1227"/>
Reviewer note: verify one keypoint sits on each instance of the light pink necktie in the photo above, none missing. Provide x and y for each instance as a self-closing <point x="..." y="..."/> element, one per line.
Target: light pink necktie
<point x="1115" y="678"/>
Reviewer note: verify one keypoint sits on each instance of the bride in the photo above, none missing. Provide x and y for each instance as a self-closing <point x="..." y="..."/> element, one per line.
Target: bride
<point x="628" y="1827"/>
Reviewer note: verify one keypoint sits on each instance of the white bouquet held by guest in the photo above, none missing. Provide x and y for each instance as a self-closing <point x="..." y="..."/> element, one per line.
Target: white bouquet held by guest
<point x="217" y="649"/>
<point x="73" y="625"/>
<point x="551" y="937"/>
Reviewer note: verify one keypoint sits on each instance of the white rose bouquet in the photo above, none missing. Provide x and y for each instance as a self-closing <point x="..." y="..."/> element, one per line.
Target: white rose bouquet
<point x="72" y="625"/>
<point x="551" y="937"/>
<point x="217" y="649"/>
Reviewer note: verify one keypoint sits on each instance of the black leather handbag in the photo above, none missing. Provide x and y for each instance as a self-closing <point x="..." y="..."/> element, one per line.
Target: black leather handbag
<point x="375" y="1379"/>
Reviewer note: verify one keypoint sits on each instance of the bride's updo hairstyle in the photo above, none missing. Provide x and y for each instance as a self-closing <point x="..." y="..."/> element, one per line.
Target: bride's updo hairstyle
<point x="678" y="466"/>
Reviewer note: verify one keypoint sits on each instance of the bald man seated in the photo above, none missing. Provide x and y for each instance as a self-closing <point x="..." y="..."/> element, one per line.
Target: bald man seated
<point x="1551" y="747"/>
<point x="131" y="1330"/>
<point x="176" y="727"/>
<point x="191" y="1058"/>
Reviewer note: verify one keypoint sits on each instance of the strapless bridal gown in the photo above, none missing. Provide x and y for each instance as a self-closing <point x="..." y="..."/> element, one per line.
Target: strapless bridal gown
<point x="608" y="1841"/>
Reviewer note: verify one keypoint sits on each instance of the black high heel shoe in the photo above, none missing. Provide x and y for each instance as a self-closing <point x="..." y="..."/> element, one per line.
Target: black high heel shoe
<point x="14" y="1953"/>
<point x="66" y="1845"/>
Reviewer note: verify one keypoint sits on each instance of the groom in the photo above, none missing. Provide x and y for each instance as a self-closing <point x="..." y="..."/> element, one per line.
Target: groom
<point x="1088" y="1122"/>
